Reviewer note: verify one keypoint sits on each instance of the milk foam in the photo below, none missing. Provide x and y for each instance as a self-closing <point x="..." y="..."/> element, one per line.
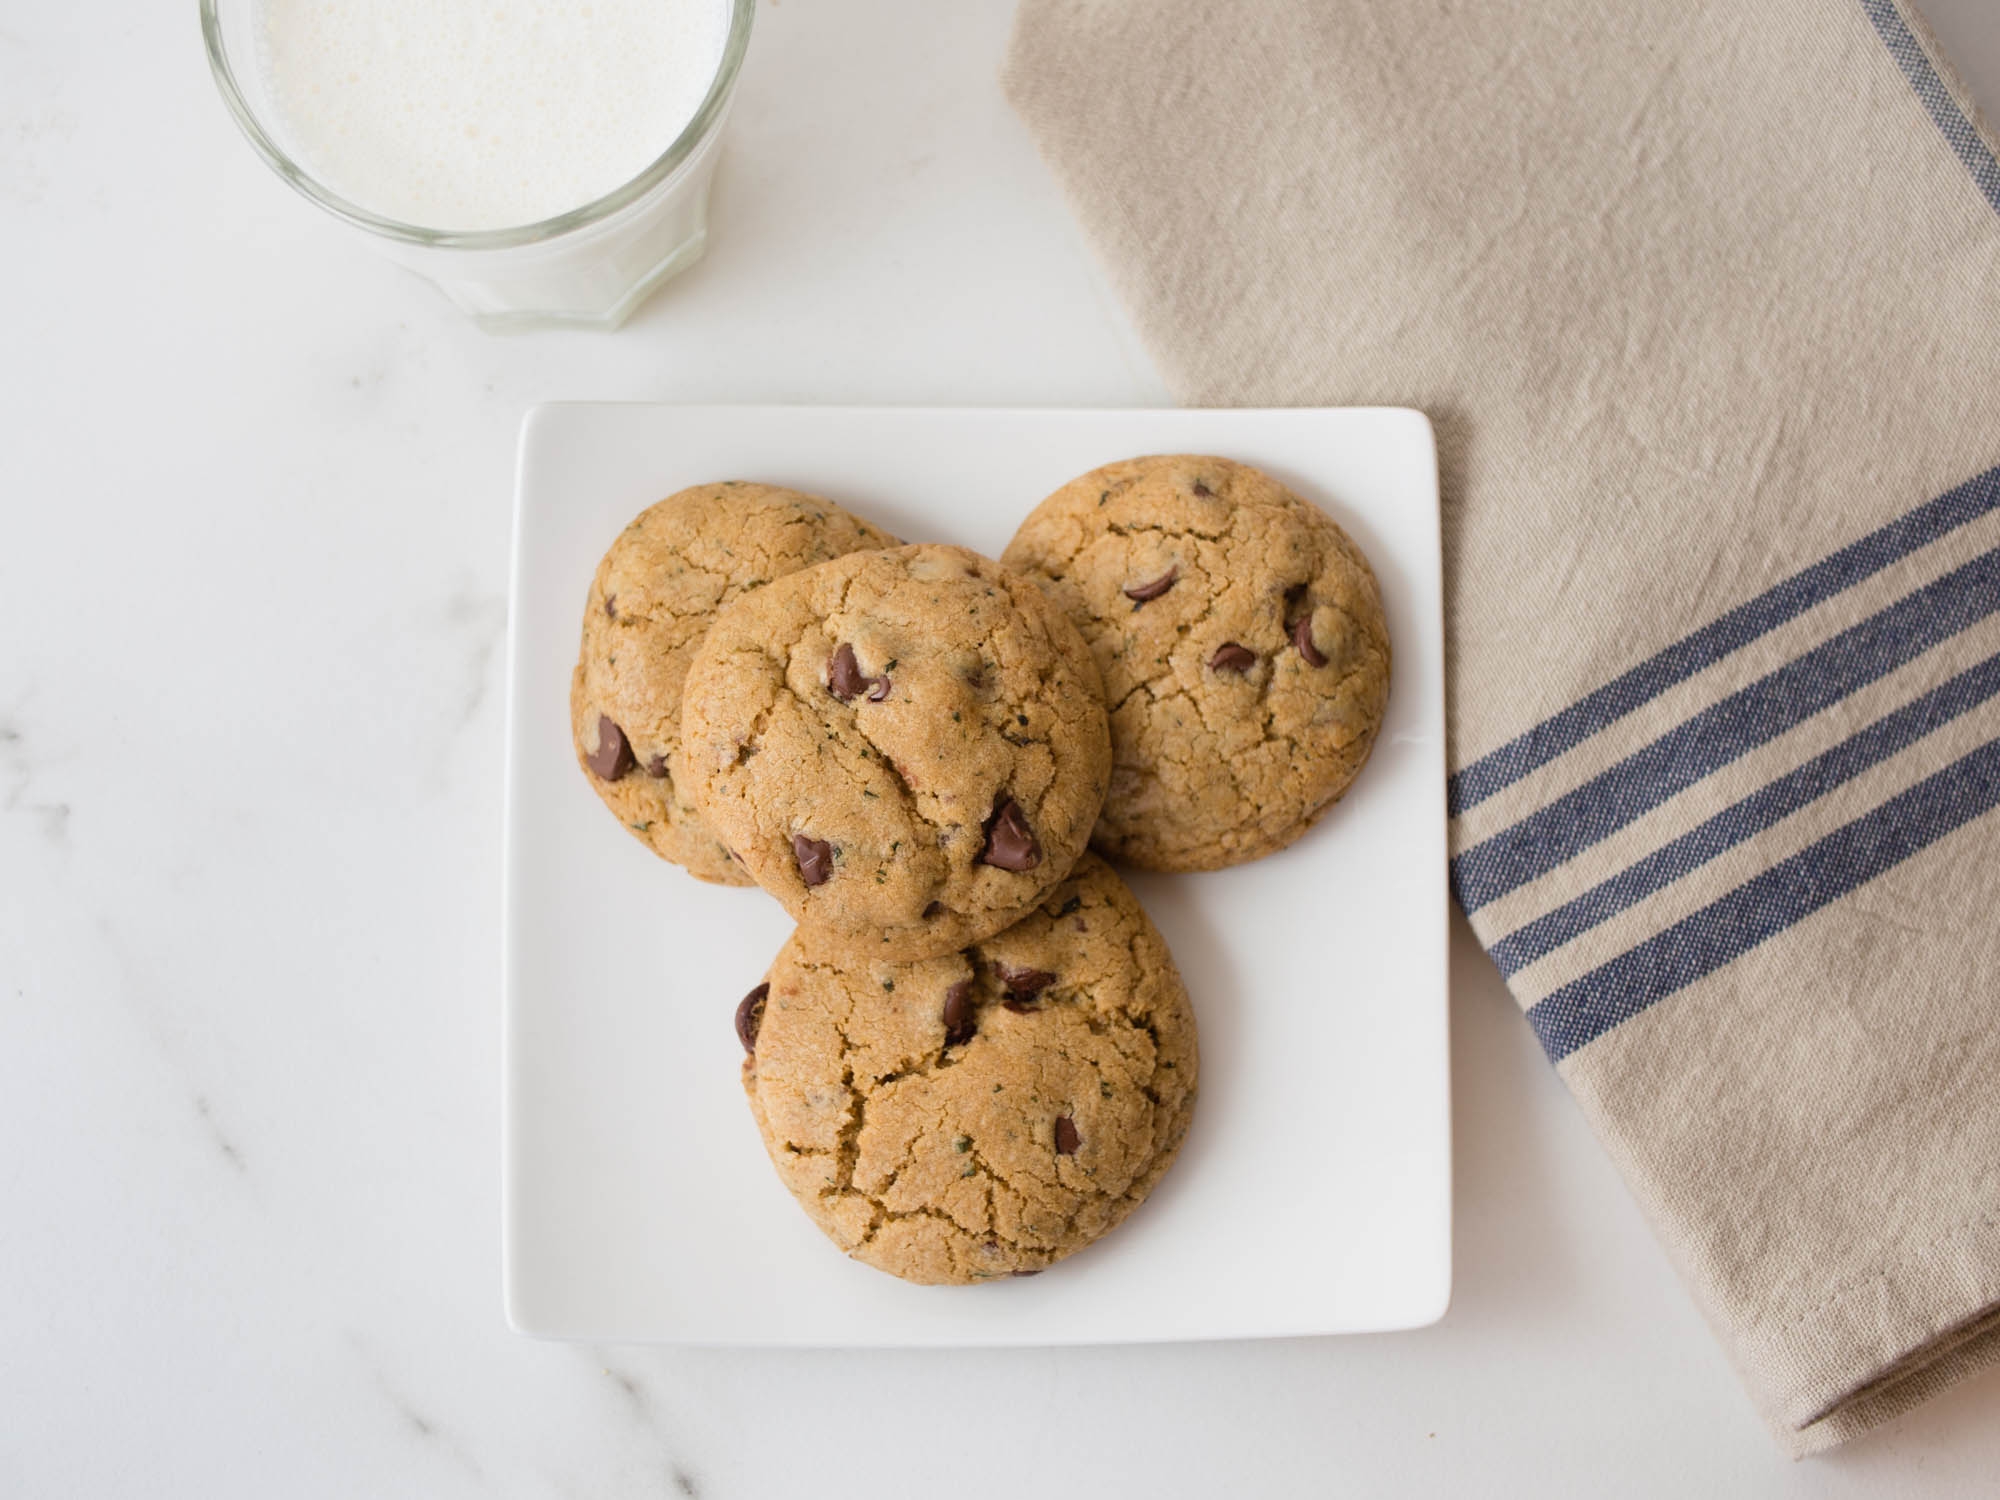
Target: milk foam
<point x="484" y="114"/>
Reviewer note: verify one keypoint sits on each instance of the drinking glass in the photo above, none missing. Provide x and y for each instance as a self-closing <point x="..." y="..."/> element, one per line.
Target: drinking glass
<point x="589" y="267"/>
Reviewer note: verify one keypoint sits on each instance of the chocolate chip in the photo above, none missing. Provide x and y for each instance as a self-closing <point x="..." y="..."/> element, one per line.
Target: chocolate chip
<point x="1010" y="843"/>
<point x="815" y="859"/>
<point x="1019" y="979"/>
<point x="1201" y="488"/>
<point x="1067" y="1140"/>
<point x="843" y="674"/>
<point x="613" y="756"/>
<point x="1021" y="1005"/>
<point x="1230" y="657"/>
<point x="1141" y="593"/>
<point x="935" y="909"/>
<point x="960" y="1021"/>
<point x="611" y="605"/>
<point x="750" y="1016"/>
<point x="657" y="768"/>
<point x="1302" y="637"/>
<point x="1031" y="1271"/>
<point x="844" y="678"/>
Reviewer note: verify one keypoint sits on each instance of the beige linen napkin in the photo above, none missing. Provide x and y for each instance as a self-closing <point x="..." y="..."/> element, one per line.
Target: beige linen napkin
<point x="1704" y="299"/>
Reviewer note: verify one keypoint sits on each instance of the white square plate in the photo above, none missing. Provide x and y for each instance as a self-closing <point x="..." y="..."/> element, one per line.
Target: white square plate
<point x="1314" y="1192"/>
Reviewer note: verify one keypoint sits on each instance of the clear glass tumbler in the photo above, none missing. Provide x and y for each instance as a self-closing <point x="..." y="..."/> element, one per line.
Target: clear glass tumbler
<point x="586" y="268"/>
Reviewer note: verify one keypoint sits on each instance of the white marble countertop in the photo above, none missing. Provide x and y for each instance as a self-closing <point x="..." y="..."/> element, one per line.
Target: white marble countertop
<point x="255" y="489"/>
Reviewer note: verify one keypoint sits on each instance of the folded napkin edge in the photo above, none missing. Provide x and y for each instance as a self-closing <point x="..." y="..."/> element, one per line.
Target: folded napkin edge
<point x="1927" y="1373"/>
<point x="1920" y="1322"/>
<point x="1938" y="86"/>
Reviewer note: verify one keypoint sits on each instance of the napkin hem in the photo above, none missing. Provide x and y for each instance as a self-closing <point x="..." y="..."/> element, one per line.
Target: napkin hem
<point x="1910" y="41"/>
<point x="1929" y="1372"/>
<point x="1906" y="1331"/>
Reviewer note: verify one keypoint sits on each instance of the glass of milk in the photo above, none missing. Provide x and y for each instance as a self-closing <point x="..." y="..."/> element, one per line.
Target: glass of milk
<point x="544" y="162"/>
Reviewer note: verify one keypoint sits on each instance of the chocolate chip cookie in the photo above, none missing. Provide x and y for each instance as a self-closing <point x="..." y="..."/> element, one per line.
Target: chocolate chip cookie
<point x="655" y="593"/>
<point x="907" y="748"/>
<point x="1240" y="635"/>
<point x="983" y="1113"/>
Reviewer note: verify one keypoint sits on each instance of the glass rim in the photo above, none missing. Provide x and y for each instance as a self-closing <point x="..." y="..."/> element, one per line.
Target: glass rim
<point x="663" y="166"/>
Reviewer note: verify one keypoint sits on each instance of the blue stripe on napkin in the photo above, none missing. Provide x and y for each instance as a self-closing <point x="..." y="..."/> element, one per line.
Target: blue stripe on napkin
<point x="1724" y="731"/>
<point x="1765" y="906"/>
<point x="1951" y="122"/>
<point x="1563" y="731"/>
<point x="1760" y="810"/>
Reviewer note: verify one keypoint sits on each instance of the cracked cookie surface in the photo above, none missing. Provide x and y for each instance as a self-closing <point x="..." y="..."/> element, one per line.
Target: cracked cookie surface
<point x="1240" y="636"/>
<point x="987" y="1112"/>
<point x="652" y="600"/>
<point x="907" y="748"/>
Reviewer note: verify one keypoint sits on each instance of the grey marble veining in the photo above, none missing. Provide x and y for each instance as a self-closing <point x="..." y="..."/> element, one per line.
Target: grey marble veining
<point x="479" y="623"/>
<point x="18" y="794"/>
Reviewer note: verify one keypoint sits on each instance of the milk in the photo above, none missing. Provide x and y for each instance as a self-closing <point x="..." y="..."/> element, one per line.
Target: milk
<point x="484" y="114"/>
